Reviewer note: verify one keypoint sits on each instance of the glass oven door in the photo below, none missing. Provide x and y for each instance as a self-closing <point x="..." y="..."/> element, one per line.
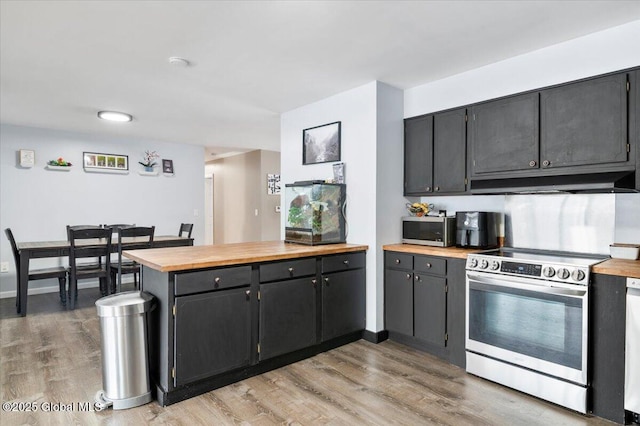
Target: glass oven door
<point x="528" y="322"/>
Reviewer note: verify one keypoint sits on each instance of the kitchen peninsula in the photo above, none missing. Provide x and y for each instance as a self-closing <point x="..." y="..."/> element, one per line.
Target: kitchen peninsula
<point x="231" y="311"/>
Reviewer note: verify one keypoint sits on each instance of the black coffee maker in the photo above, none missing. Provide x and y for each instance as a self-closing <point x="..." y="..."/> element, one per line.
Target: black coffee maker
<point x="477" y="229"/>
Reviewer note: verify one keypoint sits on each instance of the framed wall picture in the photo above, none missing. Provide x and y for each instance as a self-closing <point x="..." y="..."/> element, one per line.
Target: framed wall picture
<point x="167" y="167"/>
<point x="99" y="162"/>
<point x="273" y="184"/>
<point x="321" y="144"/>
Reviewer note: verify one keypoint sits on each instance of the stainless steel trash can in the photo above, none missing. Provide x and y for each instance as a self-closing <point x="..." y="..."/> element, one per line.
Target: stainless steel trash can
<point x="123" y="332"/>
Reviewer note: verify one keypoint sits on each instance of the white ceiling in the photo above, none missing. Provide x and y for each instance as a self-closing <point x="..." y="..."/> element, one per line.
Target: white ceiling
<point x="62" y="61"/>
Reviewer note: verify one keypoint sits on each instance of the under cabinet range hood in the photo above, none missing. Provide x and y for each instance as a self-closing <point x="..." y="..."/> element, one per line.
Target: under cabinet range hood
<point x="593" y="182"/>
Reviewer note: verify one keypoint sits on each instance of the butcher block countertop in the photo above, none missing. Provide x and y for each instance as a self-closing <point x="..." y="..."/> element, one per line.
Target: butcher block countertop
<point x="457" y="252"/>
<point x="196" y="257"/>
<point x="619" y="267"/>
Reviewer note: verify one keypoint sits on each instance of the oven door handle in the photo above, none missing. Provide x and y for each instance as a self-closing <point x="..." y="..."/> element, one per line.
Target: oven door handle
<point x="575" y="291"/>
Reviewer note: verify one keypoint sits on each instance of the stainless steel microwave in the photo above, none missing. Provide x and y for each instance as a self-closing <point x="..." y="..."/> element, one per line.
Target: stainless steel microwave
<point x="438" y="231"/>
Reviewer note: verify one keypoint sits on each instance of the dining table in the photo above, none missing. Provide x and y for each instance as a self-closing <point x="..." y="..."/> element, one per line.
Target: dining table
<point x="50" y="249"/>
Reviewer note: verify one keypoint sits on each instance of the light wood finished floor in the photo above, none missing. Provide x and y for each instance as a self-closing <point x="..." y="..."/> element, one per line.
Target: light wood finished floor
<point x="53" y="356"/>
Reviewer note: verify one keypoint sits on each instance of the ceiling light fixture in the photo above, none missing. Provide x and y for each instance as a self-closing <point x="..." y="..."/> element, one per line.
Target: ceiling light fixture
<point x="180" y="62"/>
<point x="114" y="116"/>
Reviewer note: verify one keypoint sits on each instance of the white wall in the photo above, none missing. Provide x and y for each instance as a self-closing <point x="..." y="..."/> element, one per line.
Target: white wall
<point x="598" y="53"/>
<point x="270" y="219"/>
<point x="605" y="51"/>
<point x="239" y="190"/>
<point x="371" y="148"/>
<point x="37" y="203"/>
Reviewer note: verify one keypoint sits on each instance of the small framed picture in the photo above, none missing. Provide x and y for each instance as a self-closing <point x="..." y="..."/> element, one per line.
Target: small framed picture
<point x="321" y="144"/>
<point x="98" y="162"/>
<point x="273" y="184"/>
<point x="167" y="167"/>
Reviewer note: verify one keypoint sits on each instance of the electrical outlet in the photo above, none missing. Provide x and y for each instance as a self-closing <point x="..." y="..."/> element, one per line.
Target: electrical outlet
<point x="196" y="212"/>
<point x="4" y="267"/>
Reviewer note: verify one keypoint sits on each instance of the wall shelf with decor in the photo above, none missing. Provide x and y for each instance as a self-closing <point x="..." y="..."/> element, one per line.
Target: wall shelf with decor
<point x="59" y="168"/>
<point x="108" y="171"/>
<point x="146" y="173"/>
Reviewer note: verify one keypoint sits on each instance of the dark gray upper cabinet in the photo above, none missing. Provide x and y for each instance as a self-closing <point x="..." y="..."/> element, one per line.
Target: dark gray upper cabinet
<point x="418" y="155"/>
<point x="434" y="153"/>
<point x="634" y="120"/>
<point x="504" y="135"/>
<point x="584" y="123"/>
<point x="449" y="151"/>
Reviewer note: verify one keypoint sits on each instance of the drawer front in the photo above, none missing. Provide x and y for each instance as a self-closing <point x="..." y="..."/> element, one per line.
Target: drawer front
<point x="287" y="269"/>
<point x="343" y="262"/>
<point x="431" y="265"/>
<point x="397" y="260"/>
<point x="199" y="281"/>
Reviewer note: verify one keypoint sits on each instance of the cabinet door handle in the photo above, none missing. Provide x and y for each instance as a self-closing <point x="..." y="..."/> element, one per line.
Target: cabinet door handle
<point x="314" y="282"/>
<point x="417" y="277"/>
<point x="216" y="282"/>
<point x="397" y="261"/>
<point x="291" y="270"/>
<point x="326" y="280"/>
<point x="408" y="276"/>
<point x="532" y="163"/>
<point x="546" y="163"/>
<point x="437" y="188"/>
<point x="346" y="262"/>
<point x="428" y="189"/>
<point x="428" y="265"/>
<point x="248" y="294"/>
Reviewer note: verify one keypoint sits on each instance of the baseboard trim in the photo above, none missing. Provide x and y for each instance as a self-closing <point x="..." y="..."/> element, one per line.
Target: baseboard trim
<point x="375" y="337"/>
<point x="53" y="289"/>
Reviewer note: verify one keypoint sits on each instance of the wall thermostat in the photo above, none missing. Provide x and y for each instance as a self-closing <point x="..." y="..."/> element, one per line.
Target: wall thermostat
<point x="27" y="158"/>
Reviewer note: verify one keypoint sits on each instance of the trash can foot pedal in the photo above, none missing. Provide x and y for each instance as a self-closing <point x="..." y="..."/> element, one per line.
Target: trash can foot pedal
<point x="100" y="403"/>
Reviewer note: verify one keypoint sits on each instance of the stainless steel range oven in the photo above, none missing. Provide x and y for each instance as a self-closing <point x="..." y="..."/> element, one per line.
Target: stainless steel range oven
<point x="527" y="322"/>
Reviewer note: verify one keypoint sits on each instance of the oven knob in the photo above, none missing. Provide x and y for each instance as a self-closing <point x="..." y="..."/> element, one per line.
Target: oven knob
<point x="563" y="273"/>
<point x="548" y="271"/>
<point x="495" y="265"/>
<point x="473" y="262"/>
<point x="577" y="275"/>
<point x="484" y="264"/>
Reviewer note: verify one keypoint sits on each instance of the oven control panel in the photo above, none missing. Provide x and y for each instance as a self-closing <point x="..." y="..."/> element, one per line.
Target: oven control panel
<point x="549" y="271"/>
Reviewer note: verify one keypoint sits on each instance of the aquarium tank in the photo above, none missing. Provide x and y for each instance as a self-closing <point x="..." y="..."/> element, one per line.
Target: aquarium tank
<point x="315" y="213"/>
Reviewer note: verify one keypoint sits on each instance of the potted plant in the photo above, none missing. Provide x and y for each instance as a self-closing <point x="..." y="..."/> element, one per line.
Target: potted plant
<point x="59" y="164"/>
<point x="149" y="160"/>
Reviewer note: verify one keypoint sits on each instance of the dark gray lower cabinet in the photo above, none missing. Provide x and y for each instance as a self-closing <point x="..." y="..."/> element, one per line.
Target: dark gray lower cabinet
<point x="415" y="291"/>
<point x="606" y="334"/>
<point x="343" y="303"/>
<point x="398" y="301"/>
<point x="429" y="308"/>
<point x="287" y="316"/>
<point x="212" y="333"/>
<point x="216" y="326"/>
<point x="424" y="303"/>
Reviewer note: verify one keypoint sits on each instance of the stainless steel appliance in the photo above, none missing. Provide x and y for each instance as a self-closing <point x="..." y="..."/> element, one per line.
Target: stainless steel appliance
<point x="527" y="322"/>
<point x="632" y="350"/>
<point x="438" y="231"/>
<point x="477" y="229"/>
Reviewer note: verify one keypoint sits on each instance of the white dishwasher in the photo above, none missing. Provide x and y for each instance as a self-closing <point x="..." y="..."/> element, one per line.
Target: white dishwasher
<point x="632" y="349"/>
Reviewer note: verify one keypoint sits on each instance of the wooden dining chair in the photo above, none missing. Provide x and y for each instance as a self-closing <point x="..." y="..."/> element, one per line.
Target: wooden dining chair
<point x="58" y="272"/>
<point x="143" y="239"/>
<point x="88" y="242"/>
<point x="185" y="227"/>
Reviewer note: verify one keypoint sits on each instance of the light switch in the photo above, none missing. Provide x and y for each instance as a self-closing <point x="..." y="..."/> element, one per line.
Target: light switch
<point x="4" y="267"/>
